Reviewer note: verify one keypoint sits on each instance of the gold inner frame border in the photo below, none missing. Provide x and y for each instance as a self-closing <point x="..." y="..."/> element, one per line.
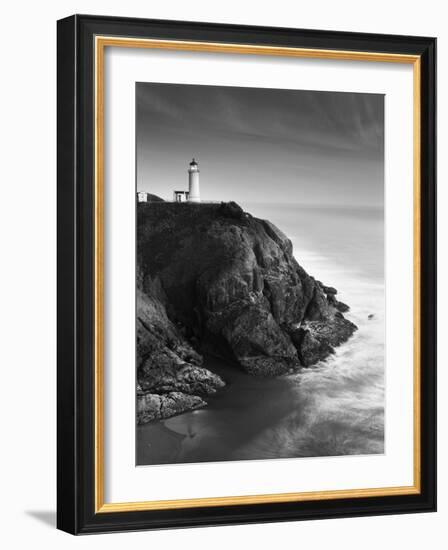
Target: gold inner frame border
<point x="100" y="43"/>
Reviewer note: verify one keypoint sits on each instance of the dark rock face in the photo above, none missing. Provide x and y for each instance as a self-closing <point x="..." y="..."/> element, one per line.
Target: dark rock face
<point x="227" y="284"/>
<point x="152" y="406"/>
<point x="170" y="378"/>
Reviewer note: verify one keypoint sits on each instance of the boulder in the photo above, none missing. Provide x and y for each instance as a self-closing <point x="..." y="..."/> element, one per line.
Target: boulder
<point x="152" y="406"/>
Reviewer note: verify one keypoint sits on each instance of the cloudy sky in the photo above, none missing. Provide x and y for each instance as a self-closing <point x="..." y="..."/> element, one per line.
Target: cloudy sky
<point x="261" y="145"/>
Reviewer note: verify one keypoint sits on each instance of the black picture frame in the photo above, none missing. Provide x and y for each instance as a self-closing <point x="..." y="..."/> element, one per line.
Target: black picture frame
<point x="76" y="512"/>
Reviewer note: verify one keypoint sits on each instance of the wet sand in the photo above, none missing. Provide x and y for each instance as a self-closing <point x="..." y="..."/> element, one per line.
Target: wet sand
<point x="221" y="431"/>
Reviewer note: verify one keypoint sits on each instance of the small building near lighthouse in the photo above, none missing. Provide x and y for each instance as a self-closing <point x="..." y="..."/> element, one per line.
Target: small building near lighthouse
<point x="142" y="196"/>
<point x="180" y="196"/>
<point x="194" y="194"/>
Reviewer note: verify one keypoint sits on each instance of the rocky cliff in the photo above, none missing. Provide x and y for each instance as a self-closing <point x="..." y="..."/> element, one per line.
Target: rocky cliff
<point x="169" y="373"/>
<point x="213" y="279"/>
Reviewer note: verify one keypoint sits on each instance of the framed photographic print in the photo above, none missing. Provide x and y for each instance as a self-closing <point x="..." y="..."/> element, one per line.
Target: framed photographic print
<point x="246" y="274"/>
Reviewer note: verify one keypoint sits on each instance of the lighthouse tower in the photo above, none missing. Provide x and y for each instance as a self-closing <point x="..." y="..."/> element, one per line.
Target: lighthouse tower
<point x="193" y="182"/>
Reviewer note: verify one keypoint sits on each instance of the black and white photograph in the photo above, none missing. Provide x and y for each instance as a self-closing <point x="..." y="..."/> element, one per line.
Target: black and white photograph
<point x="260" y="273"/>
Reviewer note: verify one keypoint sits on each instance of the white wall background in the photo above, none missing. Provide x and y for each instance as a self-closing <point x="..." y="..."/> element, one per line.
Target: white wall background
<point x="27" y="273"/>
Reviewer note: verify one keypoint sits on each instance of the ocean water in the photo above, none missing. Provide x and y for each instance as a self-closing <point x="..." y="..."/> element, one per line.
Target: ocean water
<point x="331" y="409"/>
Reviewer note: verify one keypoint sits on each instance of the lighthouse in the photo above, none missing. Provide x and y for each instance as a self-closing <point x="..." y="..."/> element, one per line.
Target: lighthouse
<point x="193" y="182"/>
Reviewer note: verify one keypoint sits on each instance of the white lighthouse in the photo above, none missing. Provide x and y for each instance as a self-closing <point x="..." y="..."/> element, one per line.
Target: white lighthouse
<point x="193" y="182"/>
